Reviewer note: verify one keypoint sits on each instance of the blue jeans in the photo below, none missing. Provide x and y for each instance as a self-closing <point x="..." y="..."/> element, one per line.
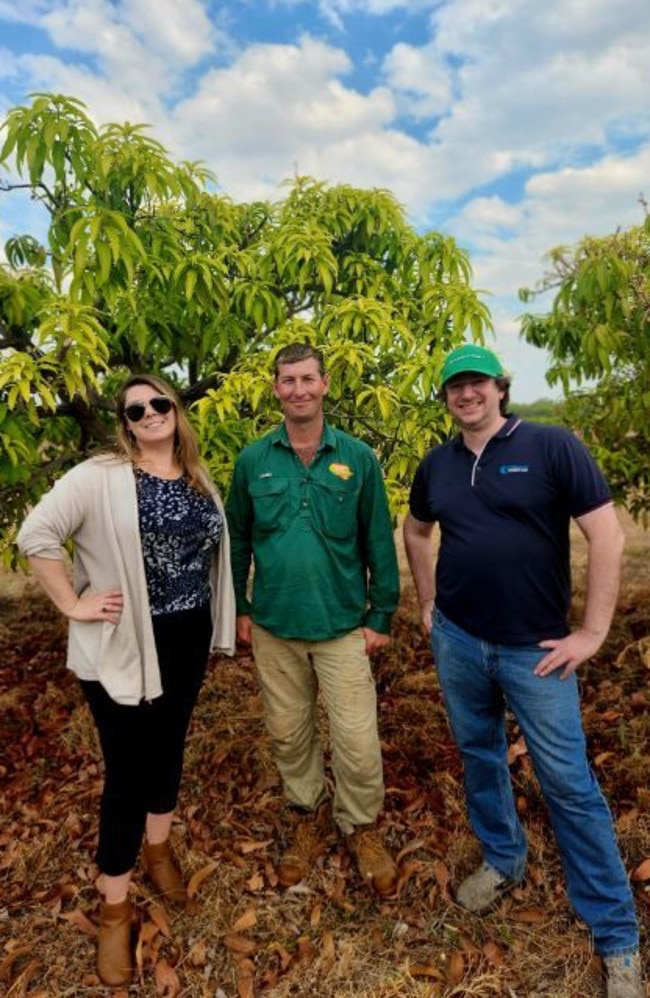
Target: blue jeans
<point x="479" y="680"/>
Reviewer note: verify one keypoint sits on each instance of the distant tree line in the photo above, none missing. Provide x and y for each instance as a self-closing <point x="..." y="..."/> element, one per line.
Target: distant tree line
<point x="543" y="410"/>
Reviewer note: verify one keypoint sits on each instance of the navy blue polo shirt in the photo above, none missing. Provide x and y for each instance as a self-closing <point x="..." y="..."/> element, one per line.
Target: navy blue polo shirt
<point x="503" y="571"/>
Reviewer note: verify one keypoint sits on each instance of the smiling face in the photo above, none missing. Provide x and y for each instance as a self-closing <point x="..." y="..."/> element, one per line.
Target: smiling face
<point x="155" y="428"/>
<point x="300" y="388"/>
<point x="474" y="402"/>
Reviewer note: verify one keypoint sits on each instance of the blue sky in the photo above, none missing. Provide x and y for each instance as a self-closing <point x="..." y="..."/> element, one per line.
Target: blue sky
<point x="514" y="125"/>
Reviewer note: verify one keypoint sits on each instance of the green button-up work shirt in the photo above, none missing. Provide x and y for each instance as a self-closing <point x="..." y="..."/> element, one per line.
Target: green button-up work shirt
<point x="320" y="537"/>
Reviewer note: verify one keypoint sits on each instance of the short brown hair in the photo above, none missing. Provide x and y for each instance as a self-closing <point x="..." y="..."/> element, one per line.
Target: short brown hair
<point x="294" y="352"/>
<point x="503" y="385"/>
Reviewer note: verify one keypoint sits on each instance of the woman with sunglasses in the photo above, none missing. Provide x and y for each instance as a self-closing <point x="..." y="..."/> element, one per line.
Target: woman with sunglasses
<point x="151" y="595"/>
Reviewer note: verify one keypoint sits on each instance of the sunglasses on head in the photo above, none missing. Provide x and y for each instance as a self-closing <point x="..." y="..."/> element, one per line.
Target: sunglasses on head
<point x="159" y="403"/>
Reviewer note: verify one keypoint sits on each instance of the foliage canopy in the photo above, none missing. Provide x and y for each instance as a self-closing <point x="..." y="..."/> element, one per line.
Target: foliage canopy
<point x="598" y="336"/>
<point x="142" y="266"/>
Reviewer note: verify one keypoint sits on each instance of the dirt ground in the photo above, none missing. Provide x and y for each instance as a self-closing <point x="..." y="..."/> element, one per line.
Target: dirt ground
<point x="329" y="937"/>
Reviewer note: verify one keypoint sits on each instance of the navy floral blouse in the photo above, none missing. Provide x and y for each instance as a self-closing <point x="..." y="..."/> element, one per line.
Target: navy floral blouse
<point x="179" y="530"/>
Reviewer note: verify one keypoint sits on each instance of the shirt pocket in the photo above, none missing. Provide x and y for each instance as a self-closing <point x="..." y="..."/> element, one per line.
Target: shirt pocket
<point x="336" y="507"/>
<point x="270" y="499"/>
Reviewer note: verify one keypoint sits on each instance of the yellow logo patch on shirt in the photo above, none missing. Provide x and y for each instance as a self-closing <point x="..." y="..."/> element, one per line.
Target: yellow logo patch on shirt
<point x="341" y="471"/>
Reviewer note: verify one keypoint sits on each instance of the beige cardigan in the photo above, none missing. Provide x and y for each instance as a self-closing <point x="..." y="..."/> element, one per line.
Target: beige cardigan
<point x="96" y="506"/>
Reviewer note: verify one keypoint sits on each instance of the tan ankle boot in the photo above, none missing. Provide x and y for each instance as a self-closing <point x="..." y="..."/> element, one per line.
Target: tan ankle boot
<point x="313" y="832"/>
<point x="114" y="959"/>
<point x="164" y="873"/>
<point x="375" y="863"/>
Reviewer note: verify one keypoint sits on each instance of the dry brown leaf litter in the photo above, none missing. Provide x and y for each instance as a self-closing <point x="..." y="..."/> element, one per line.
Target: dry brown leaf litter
<point x="328" y="937"/>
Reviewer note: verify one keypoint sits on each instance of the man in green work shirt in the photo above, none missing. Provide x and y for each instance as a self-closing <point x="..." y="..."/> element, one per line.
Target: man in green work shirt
<point x="308" y="506"/>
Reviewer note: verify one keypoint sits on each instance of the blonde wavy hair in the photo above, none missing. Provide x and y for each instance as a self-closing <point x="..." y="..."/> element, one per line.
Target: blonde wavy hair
<point x="186" y="447"/>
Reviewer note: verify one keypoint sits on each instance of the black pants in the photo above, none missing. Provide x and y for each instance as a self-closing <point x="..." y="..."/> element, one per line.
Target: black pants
<point x="143" y="745"/>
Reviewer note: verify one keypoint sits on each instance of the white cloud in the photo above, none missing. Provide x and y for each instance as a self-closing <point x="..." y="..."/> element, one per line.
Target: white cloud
<point x="526" y="365"/>
<point x="510" y="243"/>
<point x="531" y="87"/>
<point x="131" y="54"/>
<point x="23" y="13"/>
<point x="279" y="110"/>
<point x="423" y="84"/>
<point x="376" y="7"/>
<point x="336" y="12"/>
<point x="557" y="208"/>
<point x="104" y="101"/>
<point x="611" y="178"/>
<point x="538" y="114"/>
<point x="118" y="55"/>
<point x="286" y="107"/>
<point x="180" y="31"/>
<point x="487" y="219"/>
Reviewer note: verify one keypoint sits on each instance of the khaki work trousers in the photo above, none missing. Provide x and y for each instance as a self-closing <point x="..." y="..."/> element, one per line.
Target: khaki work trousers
<point x="291" y="672"/>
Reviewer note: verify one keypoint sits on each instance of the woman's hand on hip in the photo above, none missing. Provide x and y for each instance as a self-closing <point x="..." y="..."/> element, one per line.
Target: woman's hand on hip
<point x="107" y="606"/>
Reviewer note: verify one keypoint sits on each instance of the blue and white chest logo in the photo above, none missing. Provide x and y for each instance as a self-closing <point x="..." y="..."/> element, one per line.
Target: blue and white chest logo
<point x="513" y="469"/>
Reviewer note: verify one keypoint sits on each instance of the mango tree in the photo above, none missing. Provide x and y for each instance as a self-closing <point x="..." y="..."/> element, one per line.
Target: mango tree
<point x="141" y="264"/>
<point x="598" y="336"/>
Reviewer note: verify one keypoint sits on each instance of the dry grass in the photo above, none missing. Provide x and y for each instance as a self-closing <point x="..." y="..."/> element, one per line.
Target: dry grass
<point x="329" y="937"/>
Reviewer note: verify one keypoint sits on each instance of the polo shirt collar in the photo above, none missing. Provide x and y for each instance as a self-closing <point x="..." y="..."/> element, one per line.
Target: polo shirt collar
<point x="508" y="428"/>
<point x="279" y="436"/>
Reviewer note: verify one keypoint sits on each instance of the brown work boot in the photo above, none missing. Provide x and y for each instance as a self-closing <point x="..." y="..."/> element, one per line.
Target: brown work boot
<point x="163" y="872"/>
<point x="114" y="957"/>
<point x="376" y="866"/>
<point x="311" y="837"/>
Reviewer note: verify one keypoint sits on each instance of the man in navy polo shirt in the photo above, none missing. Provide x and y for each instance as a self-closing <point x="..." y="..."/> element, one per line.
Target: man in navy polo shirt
<point x="503" y="493"/>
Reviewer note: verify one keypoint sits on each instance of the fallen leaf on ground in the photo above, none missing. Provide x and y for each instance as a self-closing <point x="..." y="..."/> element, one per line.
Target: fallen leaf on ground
<point x="425" y="970"/>
<point x="256" y="883"/>
<point x="328" y="949"/>
<point x="167" y="980"/>
<point x="456" y="967"/>
<point x="245" y="921"/>
<point x="494" y="954"/>
<point x="516" y="749"/>
<point x="410" y="847"/>
<point x="198" y="955"/>
<point x="81" y="920"/>
<point x="469" y="946"/>
<point x="250" y="845"/>
<point x="197" y="878"/>
<point x="159" y="917"/>
<point x="529" y="915"/>
<point x="245" y="979"/>
<point x="10" y="959"/>
<point x="239" y="944"/>
<point x="21" y="983"/>
<point x="443" y="877"/>
<point x="642" y="871"/>
<point x="305" y="948"/>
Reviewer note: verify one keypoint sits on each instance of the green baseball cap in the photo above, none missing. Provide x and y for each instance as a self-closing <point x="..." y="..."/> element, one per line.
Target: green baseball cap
<point x="471" y="358"/>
